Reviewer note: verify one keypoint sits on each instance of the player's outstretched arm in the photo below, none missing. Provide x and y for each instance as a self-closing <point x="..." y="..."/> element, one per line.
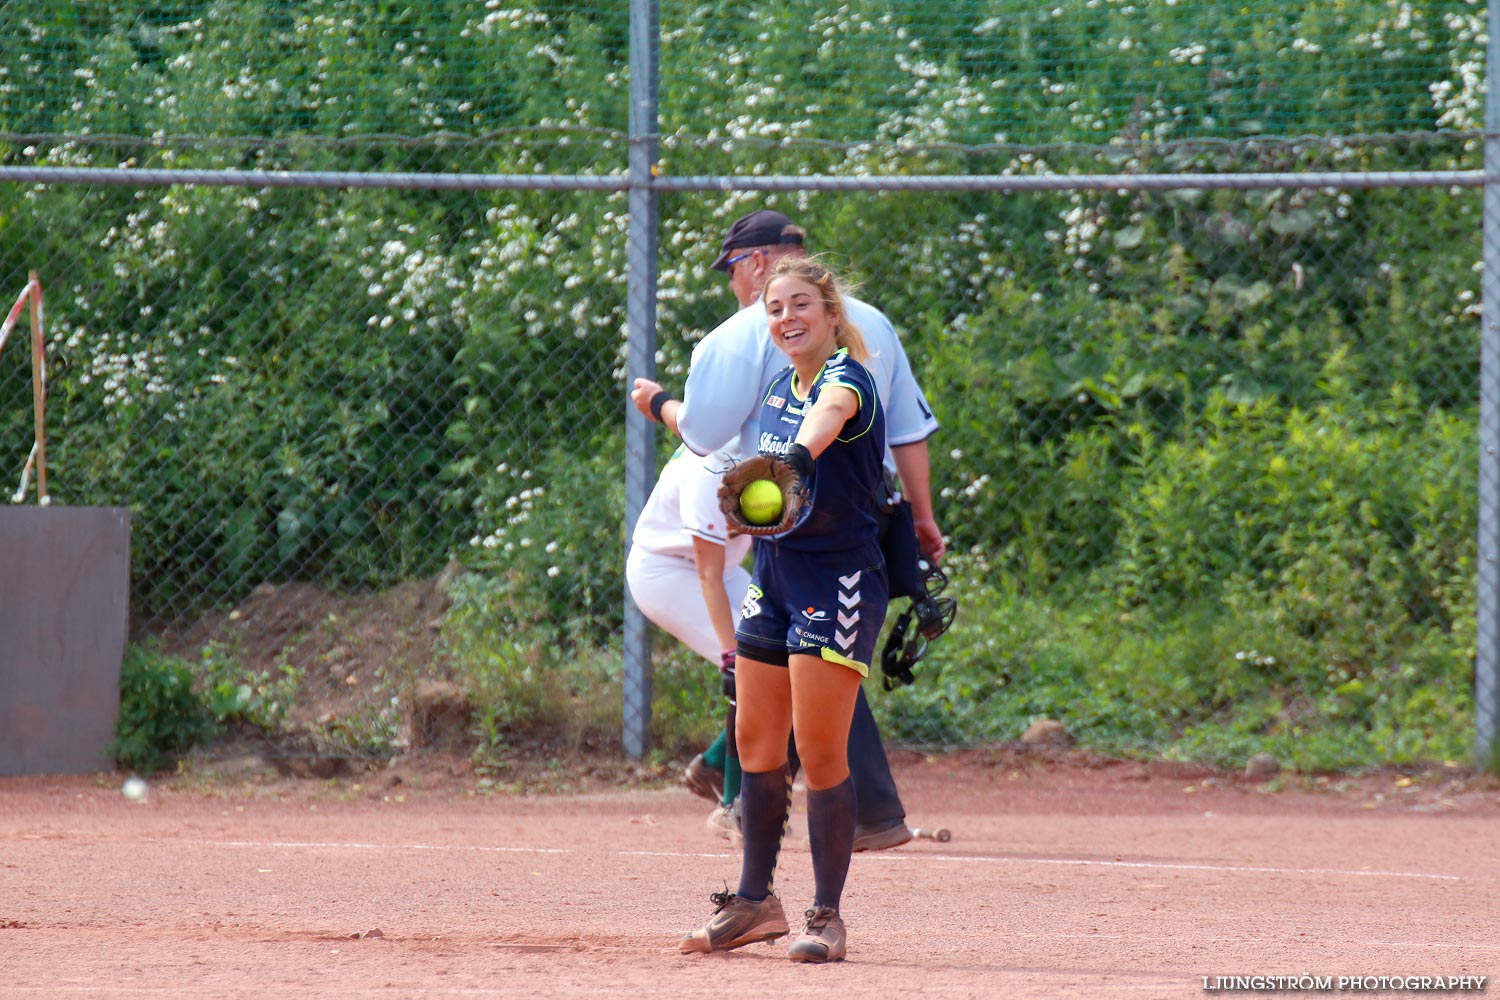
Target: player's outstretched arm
<point x="826" y="418"/>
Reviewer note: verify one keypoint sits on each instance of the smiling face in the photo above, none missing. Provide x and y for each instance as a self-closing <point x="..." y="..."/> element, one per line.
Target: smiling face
<point x="802" y="324"/>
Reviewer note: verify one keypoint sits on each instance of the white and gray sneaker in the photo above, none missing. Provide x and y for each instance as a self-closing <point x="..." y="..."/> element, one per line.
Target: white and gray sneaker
<point x="736" y="922"/>
<point x="724" y="822"/>
<point x="824" y="939"/>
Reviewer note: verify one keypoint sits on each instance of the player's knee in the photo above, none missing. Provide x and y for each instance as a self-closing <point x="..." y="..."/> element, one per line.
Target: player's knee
<point x="824" y="765"/>
<point x="759" y="754"/>
<point x="759" y="741"/>
<point x="762" y="761"/>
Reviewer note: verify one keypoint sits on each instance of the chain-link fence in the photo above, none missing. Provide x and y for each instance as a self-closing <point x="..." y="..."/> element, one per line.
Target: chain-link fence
<point x="1207" y="457"/>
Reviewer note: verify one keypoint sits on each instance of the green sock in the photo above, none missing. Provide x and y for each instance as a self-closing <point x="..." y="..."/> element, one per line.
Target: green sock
<point x="731" y="779"/>
<point x="714" y="755"/>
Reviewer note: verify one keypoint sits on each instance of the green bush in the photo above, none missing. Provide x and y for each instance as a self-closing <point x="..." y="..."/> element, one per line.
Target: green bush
<point x="260" y="698"/>
<point x="1218" y="441"/>
<point x="168" y="704"/>
<point x="163" y="715"/>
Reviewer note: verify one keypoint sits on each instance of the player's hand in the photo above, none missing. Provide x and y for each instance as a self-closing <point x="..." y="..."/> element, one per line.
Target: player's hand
<point x="641" y="396"/>
<point x="929" y="538"/>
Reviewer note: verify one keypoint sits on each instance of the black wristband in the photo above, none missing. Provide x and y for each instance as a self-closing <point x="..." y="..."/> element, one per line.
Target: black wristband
<point x="801" y="461"/>
<point x="657" y="402"/>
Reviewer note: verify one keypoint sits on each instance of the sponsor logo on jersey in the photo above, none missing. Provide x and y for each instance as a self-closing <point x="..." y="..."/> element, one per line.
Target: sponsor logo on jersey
<point x="809" y="638"/>
<point x="776" y="401"/>
<point x="772" y="445"/>
<point x="750" y="606"/>
<point x="814" y="615"/>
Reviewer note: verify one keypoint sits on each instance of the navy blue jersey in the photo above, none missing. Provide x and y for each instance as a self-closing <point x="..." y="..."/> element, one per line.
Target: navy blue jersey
<point x="840" y="510"/>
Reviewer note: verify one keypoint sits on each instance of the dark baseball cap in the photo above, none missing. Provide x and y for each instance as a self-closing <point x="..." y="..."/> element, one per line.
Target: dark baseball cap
<point x="760" y="228"/>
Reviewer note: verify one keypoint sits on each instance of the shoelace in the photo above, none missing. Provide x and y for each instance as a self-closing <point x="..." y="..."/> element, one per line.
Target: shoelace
<point x="721" y="900"/>
<point x="819" y="918"/>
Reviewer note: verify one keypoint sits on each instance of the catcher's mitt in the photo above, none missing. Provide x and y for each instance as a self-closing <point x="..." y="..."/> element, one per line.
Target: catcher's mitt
<point x="741" y="474"/>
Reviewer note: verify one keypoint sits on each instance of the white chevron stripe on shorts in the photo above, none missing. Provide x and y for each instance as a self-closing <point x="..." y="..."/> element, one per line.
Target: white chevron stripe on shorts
<point x="849" y="598"/>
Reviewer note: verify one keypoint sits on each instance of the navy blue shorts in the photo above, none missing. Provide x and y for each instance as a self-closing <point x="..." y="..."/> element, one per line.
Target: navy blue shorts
<point x="828" y="604"/>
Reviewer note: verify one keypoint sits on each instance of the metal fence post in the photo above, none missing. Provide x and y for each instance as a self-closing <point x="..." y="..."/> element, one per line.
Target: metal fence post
<point x="1487" y="639"/>
<point x="640" y="318"/>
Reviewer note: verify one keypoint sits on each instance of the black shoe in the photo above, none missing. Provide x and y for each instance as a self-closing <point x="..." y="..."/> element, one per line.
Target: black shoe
<point x="879" y="836"/>
<point x="704" y="781"/>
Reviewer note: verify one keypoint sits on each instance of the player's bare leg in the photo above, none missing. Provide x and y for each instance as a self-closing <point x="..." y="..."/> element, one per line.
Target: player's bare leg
<point x="823" y="697"/>
<point x="763" y="721"/>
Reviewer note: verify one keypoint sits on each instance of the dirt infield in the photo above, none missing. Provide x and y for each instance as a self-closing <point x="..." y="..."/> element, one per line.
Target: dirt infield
<point x="1061" y="880"/>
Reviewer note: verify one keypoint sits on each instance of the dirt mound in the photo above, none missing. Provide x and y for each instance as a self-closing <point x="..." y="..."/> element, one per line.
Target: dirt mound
<point x="372" y="700"/>
<point x="353" y="662"/>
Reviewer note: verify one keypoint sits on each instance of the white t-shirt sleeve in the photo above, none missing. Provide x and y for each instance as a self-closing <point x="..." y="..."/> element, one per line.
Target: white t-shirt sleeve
<point x="908" y="418"/>
<point x="723" y="386"/>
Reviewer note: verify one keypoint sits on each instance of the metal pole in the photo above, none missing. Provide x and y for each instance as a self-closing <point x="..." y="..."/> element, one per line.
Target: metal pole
<point x="1487" y="641"/>
<point x="144" y="177"/>
<point x="315" y="179"/>
<point x="640" y="320"/>
<point x="1013" y="184"/>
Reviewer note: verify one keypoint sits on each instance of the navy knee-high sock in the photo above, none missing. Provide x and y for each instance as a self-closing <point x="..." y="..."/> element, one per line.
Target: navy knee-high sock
<point x="831" y="815"/>
<point x="765" y="800"/>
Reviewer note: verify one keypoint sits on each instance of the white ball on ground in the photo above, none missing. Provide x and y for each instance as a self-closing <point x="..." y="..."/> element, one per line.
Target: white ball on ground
<point x="134" y="788"/>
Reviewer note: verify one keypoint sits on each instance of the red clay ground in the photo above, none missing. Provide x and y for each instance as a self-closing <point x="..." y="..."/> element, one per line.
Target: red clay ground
<point x="1063" y="879"/>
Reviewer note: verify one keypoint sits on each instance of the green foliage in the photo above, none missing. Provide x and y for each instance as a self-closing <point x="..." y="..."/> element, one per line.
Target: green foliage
<point x="688" y="708"/>
<point x="260" y="698"/>
<point x="889" y="71"/>
<point x="168" y="704"/>
<point x="534" y="671"/>
<point x="1289" y="578"/>
<point x="555" y="515"/>
<point x="163" y="715"/>
<point x="1205" y="683"/>
<point x="1178" y="426"/>
<point x="371" y="734"/>
<point x="527" y="683"/>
